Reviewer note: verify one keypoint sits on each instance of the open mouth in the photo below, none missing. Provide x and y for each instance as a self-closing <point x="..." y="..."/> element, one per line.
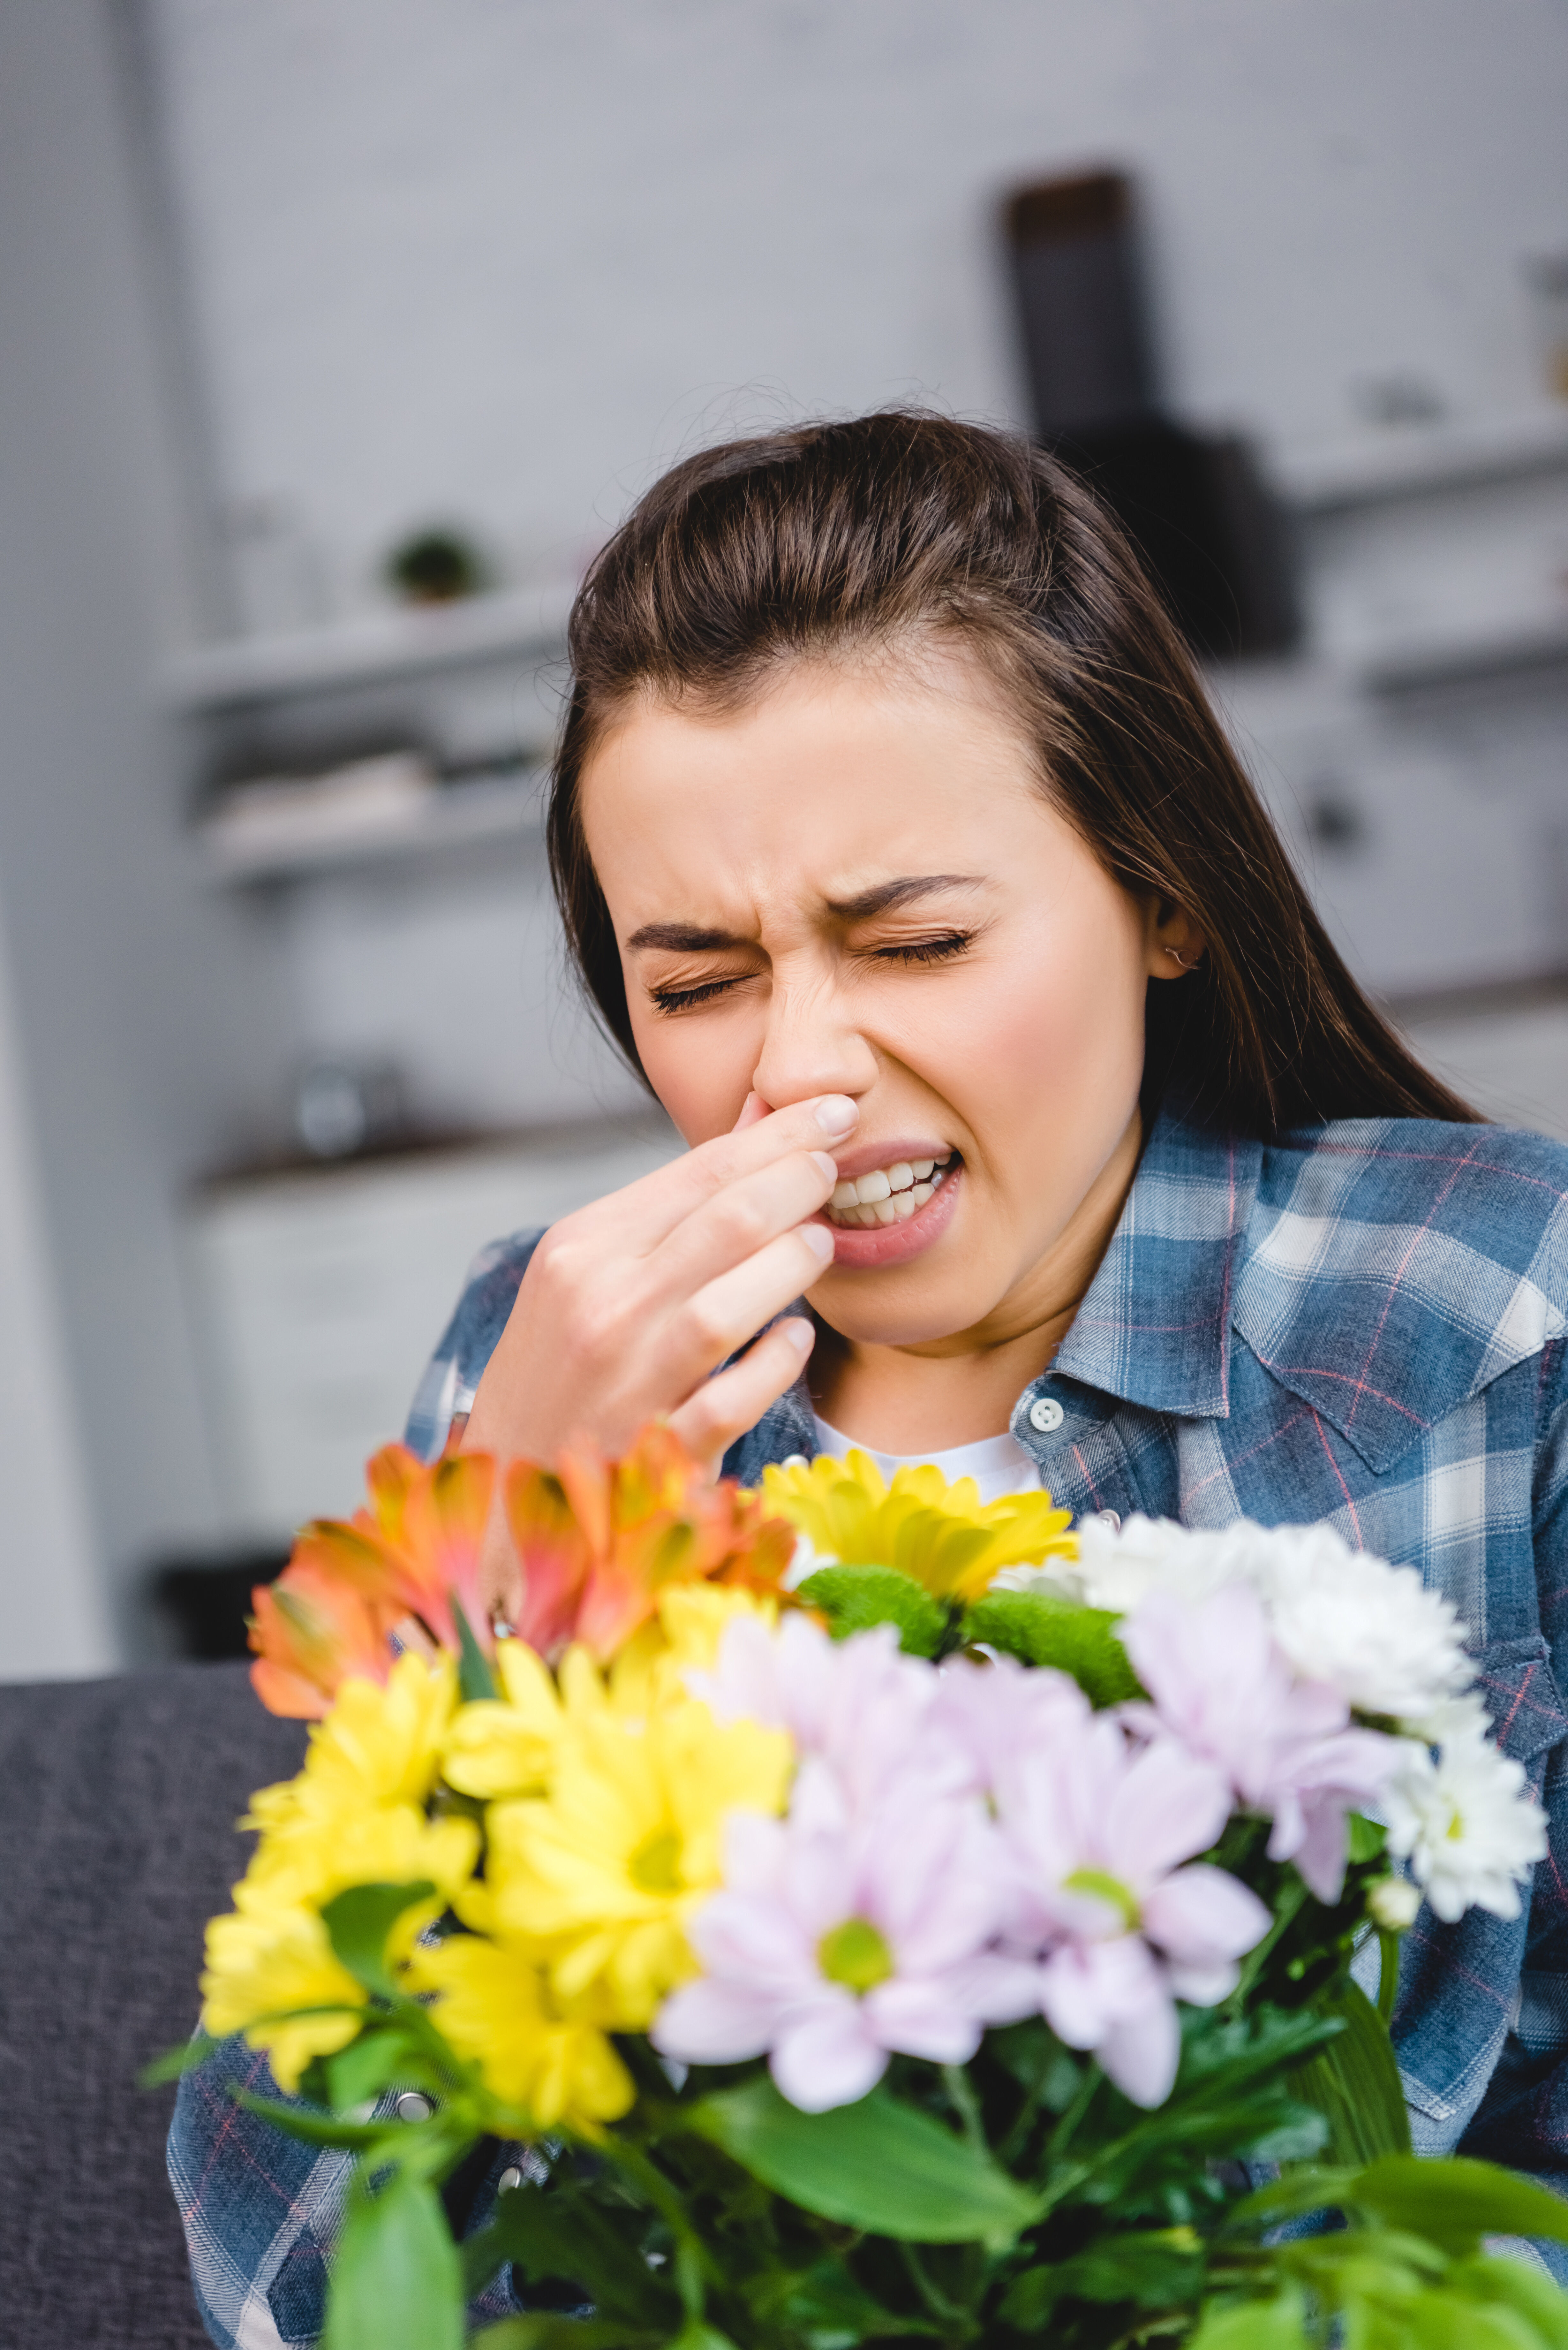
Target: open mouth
<point x="888" y="1195"/>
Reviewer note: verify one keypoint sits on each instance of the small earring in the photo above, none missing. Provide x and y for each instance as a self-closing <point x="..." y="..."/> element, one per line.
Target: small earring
<point x="1181" y="960"/>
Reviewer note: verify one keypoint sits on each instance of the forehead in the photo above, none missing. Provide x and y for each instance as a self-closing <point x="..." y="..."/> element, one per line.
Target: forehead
<point x="823" y="784"/>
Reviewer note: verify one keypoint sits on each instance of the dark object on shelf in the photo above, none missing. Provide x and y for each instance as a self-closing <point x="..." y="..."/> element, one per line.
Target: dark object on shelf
<point x="118" y="1804"/>
<point x="205" y="1602"/>
<point x="345" y="1106"/>
<point x="437" y="566"/>
<point x="1212" y="538"/>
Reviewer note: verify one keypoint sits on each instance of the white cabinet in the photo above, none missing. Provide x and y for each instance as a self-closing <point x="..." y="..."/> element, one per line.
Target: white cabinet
<point x="322" y="1293"/>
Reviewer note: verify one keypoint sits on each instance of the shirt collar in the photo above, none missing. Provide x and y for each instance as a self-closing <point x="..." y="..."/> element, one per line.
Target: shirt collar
<point x="1154" y="1326"/>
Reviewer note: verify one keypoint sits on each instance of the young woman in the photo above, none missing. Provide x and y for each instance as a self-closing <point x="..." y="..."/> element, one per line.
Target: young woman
<point x="1035" y="1125"/>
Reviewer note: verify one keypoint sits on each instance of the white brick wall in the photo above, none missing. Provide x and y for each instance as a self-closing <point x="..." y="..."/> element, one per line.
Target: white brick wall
<point x="502" y="258"/>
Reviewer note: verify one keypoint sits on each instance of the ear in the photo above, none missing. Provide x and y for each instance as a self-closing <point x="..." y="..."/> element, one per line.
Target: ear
<point x="1176" y="945"/>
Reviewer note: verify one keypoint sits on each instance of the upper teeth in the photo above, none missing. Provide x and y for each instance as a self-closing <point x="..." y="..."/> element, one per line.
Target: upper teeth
<point x="888" y="1195"/>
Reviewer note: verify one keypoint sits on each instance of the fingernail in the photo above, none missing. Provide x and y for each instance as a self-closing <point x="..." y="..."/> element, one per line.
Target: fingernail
<point x="802" y="1336"/>
<point x="825" y="1165"/>
<point x="819" y="1240"/>
<point x="836" y="1113"/>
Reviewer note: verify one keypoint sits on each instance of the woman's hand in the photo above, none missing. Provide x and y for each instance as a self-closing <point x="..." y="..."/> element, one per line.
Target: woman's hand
<point x="629" y="1306"/>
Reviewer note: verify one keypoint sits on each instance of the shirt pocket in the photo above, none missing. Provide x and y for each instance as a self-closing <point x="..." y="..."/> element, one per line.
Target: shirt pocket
<point x="1515" y="1680"/>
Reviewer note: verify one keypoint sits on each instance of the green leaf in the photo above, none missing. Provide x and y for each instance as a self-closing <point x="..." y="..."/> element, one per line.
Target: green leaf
<point x="474" y="1678"/>
<point x="1292" y="2198"/>
<point x="322" y="2130"/>
<point x="1277" y="2324"/>
<point x="825" y="2307"/>
<point x="545" y="2332"/>
<point x="1367" y="1838"/>
<point x="1354" y="2084"/>
<point x="876" y="2165"/>
<point x="175" y="2063"/>
<point x="855" y="1597"/>
<point x="366" y="2067"/>
<point x="1435" y="2320"/>
<point x="557" y="2232"/>
<point x="395" y="2279"/>
<point x="1155" y="2269"/>
<point x="1038" y="2062"/>
<point x="1512" y="2284"/>
<point x="1045" y="1630"/>
<point x="1453" y="2203"/>
<point x="358" y="1922"/>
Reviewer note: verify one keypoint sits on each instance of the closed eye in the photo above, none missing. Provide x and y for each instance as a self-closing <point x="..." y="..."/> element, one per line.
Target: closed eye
<point x="682" y="999"/>
<point x="919" y="951"/>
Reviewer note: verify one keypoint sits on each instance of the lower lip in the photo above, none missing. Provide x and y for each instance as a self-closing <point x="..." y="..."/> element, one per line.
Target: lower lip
<point x="856" y="1250"/>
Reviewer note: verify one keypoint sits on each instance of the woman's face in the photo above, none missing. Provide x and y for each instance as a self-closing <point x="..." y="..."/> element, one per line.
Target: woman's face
<point x="854" y="884"/>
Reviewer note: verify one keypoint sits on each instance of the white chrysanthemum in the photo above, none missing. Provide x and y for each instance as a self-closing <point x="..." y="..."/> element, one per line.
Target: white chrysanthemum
<point x="1467" y="1825"/>
<point x="1370" y="1630"/>
<point x="1118" y="1569"/>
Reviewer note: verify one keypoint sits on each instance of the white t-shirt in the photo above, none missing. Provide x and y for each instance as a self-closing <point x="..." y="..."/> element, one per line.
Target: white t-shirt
<point x="999" y="1464"/>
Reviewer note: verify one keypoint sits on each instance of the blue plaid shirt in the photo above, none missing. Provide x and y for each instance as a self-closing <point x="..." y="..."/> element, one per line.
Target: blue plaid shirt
<point x="1361" y="1324"/>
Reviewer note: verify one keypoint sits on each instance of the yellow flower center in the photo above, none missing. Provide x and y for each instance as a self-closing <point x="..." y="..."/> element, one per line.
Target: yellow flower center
<point x="656" y="1863"/>
<point x="1455" y="1827"/>
<point x="856" y="1955"/>
<point x="1108" y="1889"/>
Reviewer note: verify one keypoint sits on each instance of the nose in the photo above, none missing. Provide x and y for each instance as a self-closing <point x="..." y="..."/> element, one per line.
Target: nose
<point x="811" y="1047"/>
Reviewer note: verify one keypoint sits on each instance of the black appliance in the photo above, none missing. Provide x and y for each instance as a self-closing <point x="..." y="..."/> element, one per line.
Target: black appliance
<point x="1194" y="505"/>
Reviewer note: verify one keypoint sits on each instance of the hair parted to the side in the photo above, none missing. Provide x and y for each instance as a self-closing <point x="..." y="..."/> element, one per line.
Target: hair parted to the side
<point x="829" y="539"/>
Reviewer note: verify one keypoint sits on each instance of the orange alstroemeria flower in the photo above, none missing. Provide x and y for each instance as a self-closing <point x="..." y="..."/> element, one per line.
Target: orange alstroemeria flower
<point x="412" y="1553"/>
<point x="599" y="1540"/>
<point x="314" y="1631"/>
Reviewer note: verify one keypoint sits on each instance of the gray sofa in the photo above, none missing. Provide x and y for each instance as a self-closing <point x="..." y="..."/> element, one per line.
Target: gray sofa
<point x="118" y="1804"/>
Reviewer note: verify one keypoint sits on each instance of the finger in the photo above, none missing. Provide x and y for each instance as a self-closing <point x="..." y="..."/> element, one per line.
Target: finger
<point x="752" y="1109"/>
<point x="725" y="1406"/>
<point x="647" y="1210"/>
<point x="736" y="1222"/>
<point x="726" y="1313"/>
<point x="500" y="1568"/>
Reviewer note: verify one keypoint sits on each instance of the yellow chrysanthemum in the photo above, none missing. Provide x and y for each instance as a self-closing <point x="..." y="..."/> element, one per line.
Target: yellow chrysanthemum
<point x="503" y="1746"/>
<point x="942" y="1535"/>
<point x="377" y="1745"/>
<point x="599" y="1875"/>
<point x="315" y="1857"/>
<point x="494" y="2005"/>
<point x="260" y="1965"/>
<point x="682" y="1635"/>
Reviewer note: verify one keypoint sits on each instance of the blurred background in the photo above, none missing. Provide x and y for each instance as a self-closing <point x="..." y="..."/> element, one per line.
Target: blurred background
<point x="334" y="337"/>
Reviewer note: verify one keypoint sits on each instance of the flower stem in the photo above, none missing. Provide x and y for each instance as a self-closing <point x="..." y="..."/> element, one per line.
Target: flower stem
<point x="961" y="2095"/>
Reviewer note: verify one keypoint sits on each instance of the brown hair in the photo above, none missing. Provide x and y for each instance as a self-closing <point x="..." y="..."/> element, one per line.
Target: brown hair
<point x="833" y="537"/>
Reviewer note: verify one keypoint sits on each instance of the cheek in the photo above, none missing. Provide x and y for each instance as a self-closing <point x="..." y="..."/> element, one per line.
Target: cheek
<point x="1051" y="1041"/>
<point x="700" y="1069"/>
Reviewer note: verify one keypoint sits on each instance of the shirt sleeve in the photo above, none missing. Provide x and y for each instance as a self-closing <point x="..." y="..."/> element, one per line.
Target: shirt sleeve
<point x="261" y="2211"/>
<point x="468" y="1342"/>
<point x="1522" y="2120"/>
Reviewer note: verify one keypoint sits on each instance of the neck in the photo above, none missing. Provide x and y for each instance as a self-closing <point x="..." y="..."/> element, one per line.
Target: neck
<point x="941" y="1392"/>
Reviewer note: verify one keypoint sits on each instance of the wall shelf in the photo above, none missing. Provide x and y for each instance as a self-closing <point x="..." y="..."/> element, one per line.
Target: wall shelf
<point x="390" y="644"/>
<point x="505" y="808"/>
<point x="1413" y="460"/>
<point x="1398" y="664"/>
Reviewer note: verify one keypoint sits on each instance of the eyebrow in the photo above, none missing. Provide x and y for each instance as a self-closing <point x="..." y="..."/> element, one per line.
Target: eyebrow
<point x="689" y="938"/>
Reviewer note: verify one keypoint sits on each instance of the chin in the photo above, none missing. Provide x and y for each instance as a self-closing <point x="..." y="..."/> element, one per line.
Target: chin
<point x="906" y="1306"/>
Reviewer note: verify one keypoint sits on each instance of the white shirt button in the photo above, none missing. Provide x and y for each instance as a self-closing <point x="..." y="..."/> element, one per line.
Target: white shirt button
<point x="1111" y="1519"/>
<point x="413" y="2106"/>
<point x="510" y="2180"/>
<point x="1045" y="1414"/>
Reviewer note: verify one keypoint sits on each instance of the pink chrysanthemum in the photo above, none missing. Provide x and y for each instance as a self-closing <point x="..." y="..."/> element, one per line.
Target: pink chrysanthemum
<point x="840" y="1937"/>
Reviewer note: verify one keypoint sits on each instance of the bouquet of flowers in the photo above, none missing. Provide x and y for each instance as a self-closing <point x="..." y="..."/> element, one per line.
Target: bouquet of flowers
<point x="873" y="1916"/>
